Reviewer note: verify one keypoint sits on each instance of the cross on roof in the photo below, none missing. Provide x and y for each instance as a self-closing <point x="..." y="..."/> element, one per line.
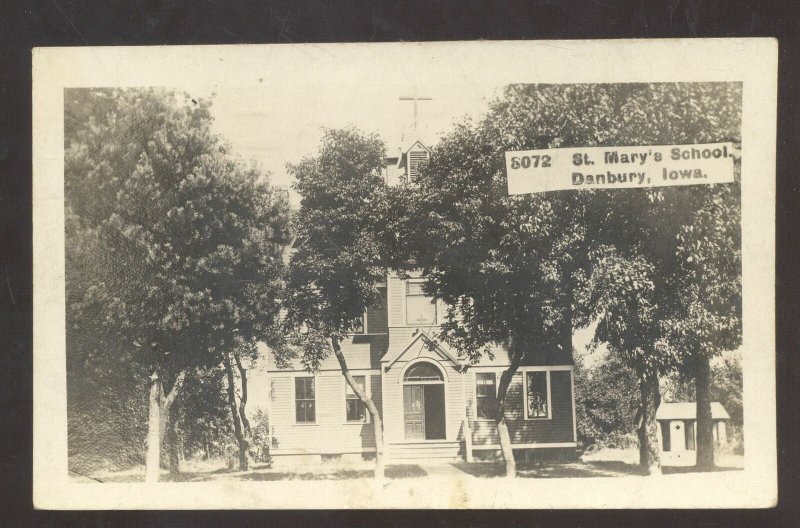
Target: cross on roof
<point x="416" y="99"/>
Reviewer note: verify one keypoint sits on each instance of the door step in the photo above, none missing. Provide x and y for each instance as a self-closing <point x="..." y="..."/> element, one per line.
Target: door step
<point x="428" y="451"/>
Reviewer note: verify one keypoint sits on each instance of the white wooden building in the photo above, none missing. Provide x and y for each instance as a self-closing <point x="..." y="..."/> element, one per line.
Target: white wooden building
<point x="677" y="431"/>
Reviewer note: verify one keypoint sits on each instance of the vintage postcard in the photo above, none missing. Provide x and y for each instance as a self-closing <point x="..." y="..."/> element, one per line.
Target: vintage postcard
<point x="408" y="275"/>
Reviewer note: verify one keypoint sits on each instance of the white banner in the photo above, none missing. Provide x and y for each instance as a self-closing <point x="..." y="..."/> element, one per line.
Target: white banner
<point x="560" y="169"/>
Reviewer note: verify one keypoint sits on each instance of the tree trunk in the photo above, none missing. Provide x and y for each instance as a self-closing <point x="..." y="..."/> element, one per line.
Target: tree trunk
<point x="153" y="457"/>
<point x="704" y="429"/>
<point x="237" y="424"/>
<point x="167" y="429"/>
<point x="172" y="450"/>
<point x="246" y="430"/>
<point x="649" y="459"/>
<point x="500" y="418"/>
<point x="374" y="415"/>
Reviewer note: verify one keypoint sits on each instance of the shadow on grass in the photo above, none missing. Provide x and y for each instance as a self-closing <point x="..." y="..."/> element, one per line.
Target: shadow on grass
<point x="570" y="469"/>
<point x="186" y="476"/>
<point x="671" y="470"/>
<point x="264" y="473"/>
<point x="343" y="474"/>
<point x="550" y="470"/>
<point x="403" y="471"/>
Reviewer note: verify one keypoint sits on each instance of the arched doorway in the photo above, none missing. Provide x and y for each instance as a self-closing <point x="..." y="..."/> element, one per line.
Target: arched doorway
<point x="423" y="402"/>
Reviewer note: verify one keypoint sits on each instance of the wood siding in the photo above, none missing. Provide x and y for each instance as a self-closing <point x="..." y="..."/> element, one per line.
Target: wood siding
<point x="557" y="429"/>
<point x="377" y="354"/>
<point x="331" y="433"/>
<point x="361" y="351"/>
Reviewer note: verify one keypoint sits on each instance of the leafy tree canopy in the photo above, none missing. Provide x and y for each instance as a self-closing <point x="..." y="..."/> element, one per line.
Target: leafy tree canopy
<point x="505" y="263"/>
<point x="338" y="257"/>
<point x="185" y="240"/>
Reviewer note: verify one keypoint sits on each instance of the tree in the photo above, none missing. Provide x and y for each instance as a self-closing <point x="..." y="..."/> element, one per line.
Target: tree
<point x="693" y="234"/>
<point x="687" y="237"/>
<point x="339" y="257"/>
<point x="188" y="240"/>
<point x="502" y="264"/>
<point x="202" y="422"/>
<point x="726" y="385"/>
<point x="261" y="436"/>
<point x="606" y="402"/>
<point x="237" y="358"/>
<point x="511" y="266"/>
<point x="623" y="293"/>
<point x="707" y="317"/>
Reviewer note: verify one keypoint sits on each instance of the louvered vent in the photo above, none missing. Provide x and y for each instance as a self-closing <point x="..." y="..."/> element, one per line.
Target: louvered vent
<point x="415" y="157"/>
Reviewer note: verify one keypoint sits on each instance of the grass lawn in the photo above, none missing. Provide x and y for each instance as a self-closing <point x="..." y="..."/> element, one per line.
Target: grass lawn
<point x="603" y="463"/>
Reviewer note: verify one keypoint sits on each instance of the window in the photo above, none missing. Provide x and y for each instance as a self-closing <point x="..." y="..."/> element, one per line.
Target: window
<point x="361" y="325"/>
<point x="420" y="309"/>
<point x="422" y="372"/>
<point x="356" y="410"/>
<point x="486" y="394"/>
<point x="537" y="394"/>
<point x="688" y="431"/>
<point x="304" y="405"/>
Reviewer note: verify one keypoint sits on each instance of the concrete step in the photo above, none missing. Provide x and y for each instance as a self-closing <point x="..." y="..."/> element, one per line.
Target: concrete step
<point x="428" y="443"/>
<point x="430" y="451"/>
<point x="425" y="449"/>
<point x="422" y="461"/>
<point x="424" y="456"/>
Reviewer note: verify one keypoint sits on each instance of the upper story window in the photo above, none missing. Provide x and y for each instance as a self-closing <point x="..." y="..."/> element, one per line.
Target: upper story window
<point x="304" y="400"/>
<point x="485" y="394"/>
<point x="537" y="394"/>
<point x="361" y="325"/>
<point x="420" y="309"/>
<point x="374" y="320"/>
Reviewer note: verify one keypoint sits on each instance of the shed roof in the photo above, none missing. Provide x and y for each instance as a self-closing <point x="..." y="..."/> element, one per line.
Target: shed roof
<point x="688" y="411"/>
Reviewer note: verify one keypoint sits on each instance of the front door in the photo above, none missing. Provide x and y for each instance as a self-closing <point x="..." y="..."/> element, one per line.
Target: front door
<point x="414" y="407"/>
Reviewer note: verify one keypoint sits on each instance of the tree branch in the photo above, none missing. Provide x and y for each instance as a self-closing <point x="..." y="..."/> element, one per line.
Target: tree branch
<point x="173" y="394"/>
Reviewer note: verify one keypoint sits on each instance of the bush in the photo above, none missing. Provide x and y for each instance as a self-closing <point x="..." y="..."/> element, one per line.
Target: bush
<point x="260" y="442"/>
<point x="606" y="403"/>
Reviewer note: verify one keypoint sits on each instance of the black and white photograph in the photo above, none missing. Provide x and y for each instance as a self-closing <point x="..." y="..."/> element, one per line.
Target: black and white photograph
<point x="359" y="276"/>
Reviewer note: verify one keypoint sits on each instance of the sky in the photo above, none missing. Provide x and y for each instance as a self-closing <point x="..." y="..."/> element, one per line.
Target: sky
<point x="276" y="123"/>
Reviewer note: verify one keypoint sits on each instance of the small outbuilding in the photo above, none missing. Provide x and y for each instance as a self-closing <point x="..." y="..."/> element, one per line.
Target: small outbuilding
<point x="677" y="431"/>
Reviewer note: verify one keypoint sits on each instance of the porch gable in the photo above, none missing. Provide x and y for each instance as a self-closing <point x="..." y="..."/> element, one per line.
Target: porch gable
<point x="416" y="348"/>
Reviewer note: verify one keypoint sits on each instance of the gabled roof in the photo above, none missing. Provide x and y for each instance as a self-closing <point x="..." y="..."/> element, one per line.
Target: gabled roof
<point x="688" y="411"/>
<point x="401" y="161"/>
<point x="428" y="341"/>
